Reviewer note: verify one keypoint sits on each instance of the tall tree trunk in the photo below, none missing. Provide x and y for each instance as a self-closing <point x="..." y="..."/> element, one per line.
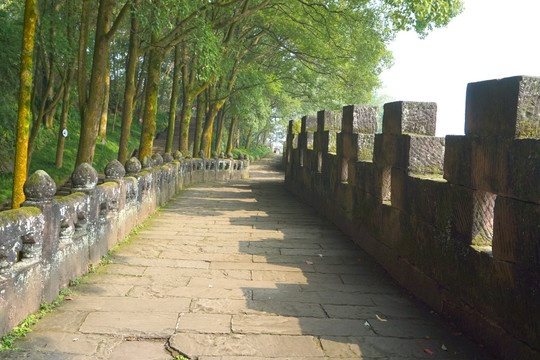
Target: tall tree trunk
<point x="64" y="117"/>
<point x="201" y="111"/>
<point x="129" y="93"/>
<point x="219" y="128"/>
<point x="148" y="132"/>
<point x="92" y="110"/>
<point x="248" y="139"/>
<point x="24" y="113"/>
<point x="174" y="100"/>
<point x="81" y="62"/>
<point x="232" y="131"/>
<point x="105" y="106"/>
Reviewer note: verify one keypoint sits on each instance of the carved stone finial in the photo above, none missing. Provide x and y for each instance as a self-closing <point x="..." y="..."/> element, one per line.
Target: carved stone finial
<point x="84" y="177"/>
<point x="240" y="156"/>
<point x="230" y="156"/>
<point x="202" y="154"/>
<point x="157" y="159"/>
<point x="167" y="158"/>
<point x="222" y="155"/>
<point x="215" y="155"/>
<point x="178" y="155"/>
<point x="246" y="157"/>
<point x="114" y="170"/>
<point x="147" y="163"/>
<point x="133" y="167"/>
<point x="39" y="187"/>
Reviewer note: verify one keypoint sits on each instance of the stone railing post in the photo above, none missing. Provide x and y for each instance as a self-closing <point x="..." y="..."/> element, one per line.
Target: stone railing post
<point x="84" y="179"/>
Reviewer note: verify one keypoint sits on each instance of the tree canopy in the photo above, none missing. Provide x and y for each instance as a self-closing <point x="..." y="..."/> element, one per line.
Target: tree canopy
<point x="244" y="66"/>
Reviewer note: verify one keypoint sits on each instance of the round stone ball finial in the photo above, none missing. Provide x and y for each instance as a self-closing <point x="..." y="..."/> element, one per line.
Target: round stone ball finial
<point x="158" y="159"/>
<point x="215" y="155"/>
<point x="147" y="163"/>
<point x="39" y="187"/>
<point x="84" y="177"/>
<point x="240" y="156"/>
<point x="167" y="158"/>
<point x="114" y="170"/>
<point x="133" y="167"/>
<point x="230" y="156"/>
<point x="201" y="154"/>
<point x="178" y="155"/>
<point x="246" y="157"/>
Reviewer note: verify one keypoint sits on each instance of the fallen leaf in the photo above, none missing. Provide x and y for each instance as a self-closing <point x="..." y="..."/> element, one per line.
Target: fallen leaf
<point x="75" y="339"/>
<point x="359" y="260"/>
<point x="367" y="324"/>
<point x="130" y="339"/>
<point x="427" y="337"/>
<point x="68" y="298"/>
<point x="429" y="352"/>
<point x="320" y="255"/>
<point x="309" y="262"/>
<point x="380" y="318"/>
<point x="444" y="347"/>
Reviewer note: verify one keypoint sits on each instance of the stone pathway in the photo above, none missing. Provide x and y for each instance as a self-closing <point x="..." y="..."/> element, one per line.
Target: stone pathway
<point x="241" y="271"/>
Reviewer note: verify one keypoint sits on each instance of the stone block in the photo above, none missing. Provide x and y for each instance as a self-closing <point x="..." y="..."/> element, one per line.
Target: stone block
<point x="410" y="117"/>
<point x="391" y="150"/>
<point x="347" y="145"/>
<point x="507" y="107"/>
<point x="398" y="188"/>
<point x="329" y="120"/>
<point x="523" y="171"/>
<point x="516" y="233"/>
<point x="365" y="178"/>
<point x="489" y="163"/>
<point x="457" y="160"/>
<point x="308" y="124"/>
<point x="360" y="119"/>
<point x="366" y="143"/>
<point x="426" y="155"/>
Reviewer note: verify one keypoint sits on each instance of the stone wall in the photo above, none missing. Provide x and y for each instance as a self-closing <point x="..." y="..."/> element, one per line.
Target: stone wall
<point x="456" y="221"/>
<point x="50" y="240"/>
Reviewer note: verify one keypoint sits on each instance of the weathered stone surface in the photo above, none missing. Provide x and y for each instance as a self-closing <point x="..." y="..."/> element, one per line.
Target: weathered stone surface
<point x="147" y="163"/>
<point x="417" y="118"/>
<point x="268" y="346"/>
<point x="167" y="158"/>
<point x="366" y="144"/>
<point x="133" y="167"/>
<point x="114" y="170"/>
<point x="507" y="107"/>
<point x="360" y="119"/>
<point x="148" y="350"/>
<point x="204" y="323"/>
<point x="426" y="155"/>
<point x="39" y="187"/>
<point x="135" y="324"/>
<point x="84" y="177"/>
<point x="329" y="120"/>
<point x="157" y="159"/>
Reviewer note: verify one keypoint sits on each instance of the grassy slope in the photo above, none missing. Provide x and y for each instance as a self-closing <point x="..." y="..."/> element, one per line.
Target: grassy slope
<point x="44" y="158"/>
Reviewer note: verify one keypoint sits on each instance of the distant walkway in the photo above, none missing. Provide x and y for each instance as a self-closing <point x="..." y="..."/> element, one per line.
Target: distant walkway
<point x="241" y="270"/>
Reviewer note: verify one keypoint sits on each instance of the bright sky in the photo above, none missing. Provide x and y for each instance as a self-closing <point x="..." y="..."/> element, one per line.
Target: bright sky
<point x="491" y="39"/>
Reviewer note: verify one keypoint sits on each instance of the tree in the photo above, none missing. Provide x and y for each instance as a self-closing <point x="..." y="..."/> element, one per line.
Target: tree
<point x="24" y="115"/>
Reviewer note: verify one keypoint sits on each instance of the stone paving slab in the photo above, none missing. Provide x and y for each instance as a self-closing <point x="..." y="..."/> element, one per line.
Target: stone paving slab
<point x="241" y="271"/>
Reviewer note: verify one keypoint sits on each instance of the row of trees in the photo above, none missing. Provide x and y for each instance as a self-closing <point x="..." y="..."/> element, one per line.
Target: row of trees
<point x="242" y="65"/>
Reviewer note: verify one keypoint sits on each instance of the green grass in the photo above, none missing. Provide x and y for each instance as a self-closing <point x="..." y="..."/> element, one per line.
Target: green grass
<point x="44" y="157"/>
<point x="254" y="153"/>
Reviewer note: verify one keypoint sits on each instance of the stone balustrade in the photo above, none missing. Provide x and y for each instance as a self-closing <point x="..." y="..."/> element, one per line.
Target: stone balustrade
<point x="457" y="220"/>
<point x="50" y="240"/>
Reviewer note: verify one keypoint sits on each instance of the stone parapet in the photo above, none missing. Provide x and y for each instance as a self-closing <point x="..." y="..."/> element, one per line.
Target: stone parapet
<point x="454" y="220"/>
<point x="51" y="240"/>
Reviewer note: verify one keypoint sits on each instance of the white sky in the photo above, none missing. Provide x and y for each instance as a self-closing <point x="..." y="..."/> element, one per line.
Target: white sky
<point x="491" y="39"/>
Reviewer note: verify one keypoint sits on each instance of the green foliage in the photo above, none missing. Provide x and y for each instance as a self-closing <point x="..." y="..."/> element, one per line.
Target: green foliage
<point x="254" y="153"/>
